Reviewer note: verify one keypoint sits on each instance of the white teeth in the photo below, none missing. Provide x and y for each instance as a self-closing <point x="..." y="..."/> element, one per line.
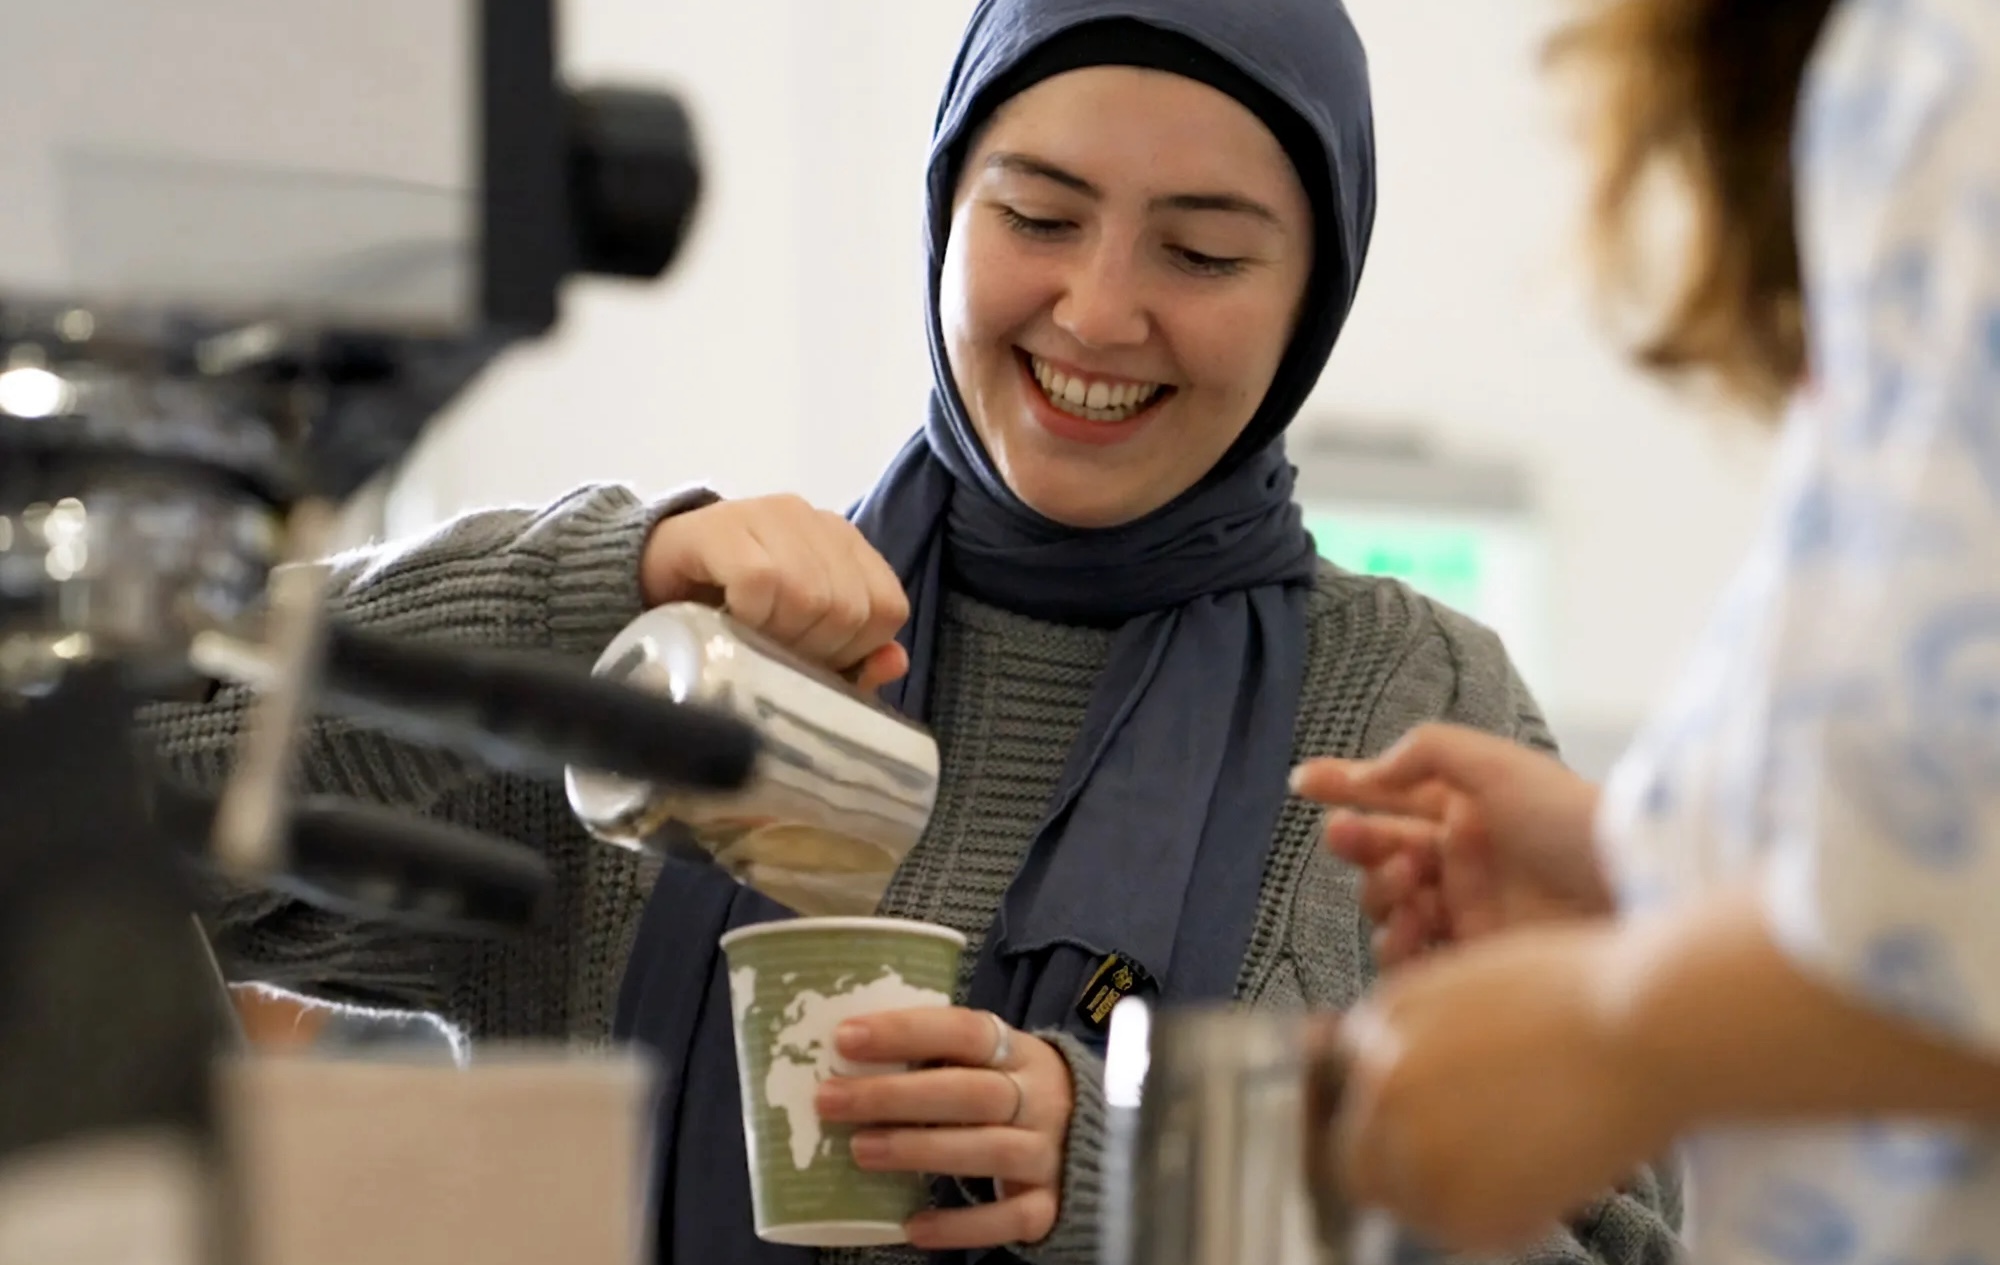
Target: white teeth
<point x="1093" y="401"/>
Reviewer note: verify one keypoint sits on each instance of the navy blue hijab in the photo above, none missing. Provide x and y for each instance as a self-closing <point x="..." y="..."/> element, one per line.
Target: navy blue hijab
<point x="1154" y="845"/>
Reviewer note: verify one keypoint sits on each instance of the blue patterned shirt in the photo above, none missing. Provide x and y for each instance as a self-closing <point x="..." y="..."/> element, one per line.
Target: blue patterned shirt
<point x="1836" y="737"/>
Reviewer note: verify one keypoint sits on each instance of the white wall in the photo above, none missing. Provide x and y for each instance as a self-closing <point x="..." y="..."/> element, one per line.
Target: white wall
<point x="1474" y="320"/>
<point x="785" y="352"/>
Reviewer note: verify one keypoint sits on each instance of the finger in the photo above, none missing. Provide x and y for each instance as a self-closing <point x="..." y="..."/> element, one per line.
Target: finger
<point x="1463" y="759"/>
<point x="888" y="603"/>
<point x="1327" y="780"/>
<point x="830" y="638"/>
<point x="734" y="569"/>
<point x="1399" y="939"/>
<point x="1025" y="1218"/>
<point x="1427" y="907"/>
<point x="931" y="1034"/>
<point x="1353" y="784"/>
<point x="803" y="586"/>
<point x="1389" y="887"/>
<point x="1471" y="881"/>
<point x="1003" y="1154"/>
<point x="890" y="663"/>
<point x="945" y="1095"/>
<point x="839" y="637"/>
<point x="1369" y="839"/>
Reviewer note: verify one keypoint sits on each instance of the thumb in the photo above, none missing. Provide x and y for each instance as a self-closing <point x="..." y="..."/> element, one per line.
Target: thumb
<point x="1465" y="760"/>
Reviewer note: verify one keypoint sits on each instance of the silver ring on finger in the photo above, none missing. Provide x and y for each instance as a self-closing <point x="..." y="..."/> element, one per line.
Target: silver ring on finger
<point x="1003" y="1042"/>
<point x="1020" y="1097"/>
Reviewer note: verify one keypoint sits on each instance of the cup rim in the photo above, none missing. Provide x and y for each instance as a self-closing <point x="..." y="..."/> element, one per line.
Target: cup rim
<point x="783" y="926"/>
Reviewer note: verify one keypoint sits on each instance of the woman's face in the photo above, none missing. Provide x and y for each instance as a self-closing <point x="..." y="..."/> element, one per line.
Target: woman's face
<point x="1129" y="250"/>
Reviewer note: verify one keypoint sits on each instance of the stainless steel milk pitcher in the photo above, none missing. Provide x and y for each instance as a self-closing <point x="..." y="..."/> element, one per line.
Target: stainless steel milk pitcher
<point x="843" y="787"/>
<point x="1219" y="1151"/>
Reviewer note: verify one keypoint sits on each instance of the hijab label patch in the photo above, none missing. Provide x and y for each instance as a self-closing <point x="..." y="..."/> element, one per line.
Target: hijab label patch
<point x="1116" y="978"/>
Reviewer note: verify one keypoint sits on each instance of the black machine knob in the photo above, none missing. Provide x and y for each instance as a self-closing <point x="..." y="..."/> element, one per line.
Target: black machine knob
<point x="635" y="180"/>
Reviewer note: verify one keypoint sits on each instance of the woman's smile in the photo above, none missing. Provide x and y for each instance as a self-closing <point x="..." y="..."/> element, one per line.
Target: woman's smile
<point x="1084" y="407"/>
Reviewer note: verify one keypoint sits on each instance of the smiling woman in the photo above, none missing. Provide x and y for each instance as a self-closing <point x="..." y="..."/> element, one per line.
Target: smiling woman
<point x="1116" y="298"/>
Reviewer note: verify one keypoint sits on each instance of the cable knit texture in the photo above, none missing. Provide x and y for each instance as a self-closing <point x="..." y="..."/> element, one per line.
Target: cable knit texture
<point x="1011" y="692"/>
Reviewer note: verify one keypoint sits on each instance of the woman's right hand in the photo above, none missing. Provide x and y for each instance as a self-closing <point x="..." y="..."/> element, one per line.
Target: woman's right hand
<point x="1460" y="834"/>
<point x="802" y="576"/>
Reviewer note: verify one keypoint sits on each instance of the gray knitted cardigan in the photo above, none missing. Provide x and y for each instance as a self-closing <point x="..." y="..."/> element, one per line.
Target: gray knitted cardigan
<point x="1010" y="692"/>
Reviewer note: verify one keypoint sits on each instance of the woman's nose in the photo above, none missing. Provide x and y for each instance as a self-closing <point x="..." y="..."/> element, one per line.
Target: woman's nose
<point x="1101" y="305"/>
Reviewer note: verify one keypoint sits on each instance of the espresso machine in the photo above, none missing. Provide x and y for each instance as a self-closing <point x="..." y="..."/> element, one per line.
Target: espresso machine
<point x="248" y="252"/>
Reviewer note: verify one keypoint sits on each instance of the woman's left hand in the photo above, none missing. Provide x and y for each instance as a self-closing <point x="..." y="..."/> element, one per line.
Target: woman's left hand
<point x="998" y="1108"/>
<point x="1492" y="1090"/>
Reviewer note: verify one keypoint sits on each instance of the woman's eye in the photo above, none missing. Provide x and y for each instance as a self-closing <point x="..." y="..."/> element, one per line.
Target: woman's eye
<point x="1208" y="265"/>
<point x="1028" y="226"/>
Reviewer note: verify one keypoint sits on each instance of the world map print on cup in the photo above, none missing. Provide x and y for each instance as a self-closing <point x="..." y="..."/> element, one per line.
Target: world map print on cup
<point x="791" y="984"/>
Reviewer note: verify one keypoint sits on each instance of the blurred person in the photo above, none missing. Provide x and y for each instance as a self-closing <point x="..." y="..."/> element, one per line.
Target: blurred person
<point x="1774" y="933"/>
<point x="1086" y="573"/>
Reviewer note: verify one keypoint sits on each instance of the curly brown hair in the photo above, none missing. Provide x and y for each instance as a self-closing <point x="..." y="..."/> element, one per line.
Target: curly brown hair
<point x="1704" y="92"/>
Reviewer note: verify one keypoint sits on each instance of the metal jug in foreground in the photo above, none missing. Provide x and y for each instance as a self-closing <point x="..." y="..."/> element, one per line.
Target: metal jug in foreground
<point x="843" y="786"/>
<point x="1217" y="1148"/>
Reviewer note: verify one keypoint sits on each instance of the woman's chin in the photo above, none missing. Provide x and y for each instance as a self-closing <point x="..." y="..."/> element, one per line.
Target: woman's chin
<point x="1083" y="499"/>
<point x="1075" y="486"/>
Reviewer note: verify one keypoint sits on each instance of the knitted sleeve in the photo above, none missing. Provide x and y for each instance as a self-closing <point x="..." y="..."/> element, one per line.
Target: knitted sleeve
<point x="563" y="579"/>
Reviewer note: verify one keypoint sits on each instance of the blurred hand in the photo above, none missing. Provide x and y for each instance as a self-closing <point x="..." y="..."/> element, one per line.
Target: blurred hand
<point x="1459" y="834"/>
<point x="802" y="576"/>
<point x="966" y="1115"/>
<point x="1489" y="1093"/>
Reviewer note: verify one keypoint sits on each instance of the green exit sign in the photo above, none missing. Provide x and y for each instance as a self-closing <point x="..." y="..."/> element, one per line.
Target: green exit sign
<point x="1441" y="560"/>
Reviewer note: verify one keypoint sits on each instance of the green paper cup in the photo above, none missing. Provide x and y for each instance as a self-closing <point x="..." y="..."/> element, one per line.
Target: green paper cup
<point x="790" y="985"/>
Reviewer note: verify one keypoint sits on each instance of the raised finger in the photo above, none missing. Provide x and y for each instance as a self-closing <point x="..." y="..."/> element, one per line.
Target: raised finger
<point x="1025" y="1218"/>
<point x="944" y="1095"/>
<point x="1003" y="1154"/>
<point x="1349" y="784"/>
<point x="1453" y="755"/>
